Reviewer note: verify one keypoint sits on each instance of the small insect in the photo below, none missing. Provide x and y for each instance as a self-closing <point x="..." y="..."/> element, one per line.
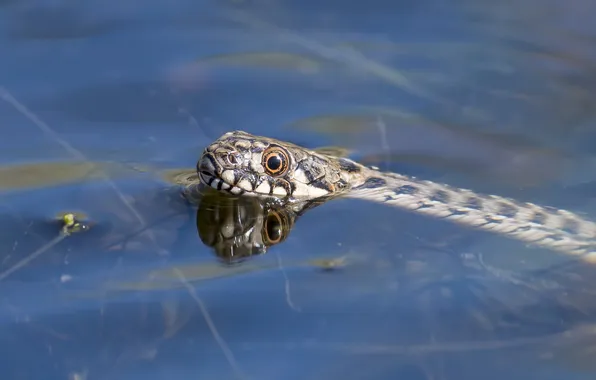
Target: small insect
<point x="71" y="223"/>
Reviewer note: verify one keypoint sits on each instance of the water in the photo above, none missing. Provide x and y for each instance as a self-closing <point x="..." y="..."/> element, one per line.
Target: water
<point x="103" y="103"/>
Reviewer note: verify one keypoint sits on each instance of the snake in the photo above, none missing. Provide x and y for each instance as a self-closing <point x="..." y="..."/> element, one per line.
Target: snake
<point x="247" y="165"/>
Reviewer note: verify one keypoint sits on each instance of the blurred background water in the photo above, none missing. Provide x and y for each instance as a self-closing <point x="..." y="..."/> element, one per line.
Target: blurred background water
<point x="101" y="103"/>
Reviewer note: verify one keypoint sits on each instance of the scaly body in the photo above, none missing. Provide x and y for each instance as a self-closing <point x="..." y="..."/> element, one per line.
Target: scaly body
<point x="244" y="164"/>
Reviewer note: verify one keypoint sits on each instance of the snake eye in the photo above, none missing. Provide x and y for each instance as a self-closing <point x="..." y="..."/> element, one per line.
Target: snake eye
<point x="276" y="161"/>
<point x="274" y="228"/>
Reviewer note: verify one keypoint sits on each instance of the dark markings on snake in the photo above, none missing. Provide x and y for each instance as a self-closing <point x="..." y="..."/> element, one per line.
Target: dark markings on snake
<point x="258" y="181"/>
<point x="311" y="171"/>
<point x="406" y="189"/>
<point x="285" y="185"/>
<point x="440" y="196"/>
<point x="538" y="218"/>
<point x="518" y="204"/>
<point x="570" y="226"/>
<point x="455" y="212"/>
<point x="307" y="173"/>
<point x="508" y="210"/>
<point x="474" y="203"/>
<point x="237" y="176"/>
<point x="253" y="179"/>
<point x="371" y="183"/>
<point x="242" y="146"/>
<point x="321" y="185"/>
<point x="556" y="237"/>
<point x="422" y="205"/>
<point x="551" y="210"/>
<point x="212" y="161"/>
<point x="348" y="166"/>
<point x="270" y="182"/>
<point x="341" y="185"/>
<point x="257" y="148"/>
<point x="490" y="219"/>
<point x="292" y="188"/>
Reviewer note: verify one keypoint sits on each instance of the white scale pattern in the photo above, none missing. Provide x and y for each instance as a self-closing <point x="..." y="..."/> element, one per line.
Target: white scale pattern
<point x="550" y="233"/>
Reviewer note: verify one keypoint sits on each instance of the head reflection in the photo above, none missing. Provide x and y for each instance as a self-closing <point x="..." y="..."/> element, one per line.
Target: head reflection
<point x="239" y="227"/>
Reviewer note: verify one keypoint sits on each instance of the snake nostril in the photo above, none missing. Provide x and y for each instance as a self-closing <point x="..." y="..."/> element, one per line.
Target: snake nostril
<point x="233" y="158"/>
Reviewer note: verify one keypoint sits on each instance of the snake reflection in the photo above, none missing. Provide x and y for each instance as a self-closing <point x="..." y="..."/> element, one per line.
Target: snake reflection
<point x="236" y="228"/>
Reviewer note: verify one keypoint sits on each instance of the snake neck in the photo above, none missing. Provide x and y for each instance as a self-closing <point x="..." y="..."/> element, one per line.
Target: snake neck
<point x="548" y="227"/>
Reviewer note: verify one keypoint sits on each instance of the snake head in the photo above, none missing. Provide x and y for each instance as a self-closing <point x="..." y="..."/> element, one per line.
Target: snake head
<point x="241" y="163"/>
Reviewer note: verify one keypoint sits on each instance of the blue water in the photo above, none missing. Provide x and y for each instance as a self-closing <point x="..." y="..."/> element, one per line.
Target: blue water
<point x="495" y="97"/>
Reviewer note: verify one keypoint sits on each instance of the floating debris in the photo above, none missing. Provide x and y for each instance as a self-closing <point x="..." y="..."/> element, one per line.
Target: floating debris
<point x="329" y="265"/>
<point x="73" y="223"/>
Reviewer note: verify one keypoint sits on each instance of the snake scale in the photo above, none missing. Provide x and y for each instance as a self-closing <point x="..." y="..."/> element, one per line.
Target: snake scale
<point x="247" y="165"/>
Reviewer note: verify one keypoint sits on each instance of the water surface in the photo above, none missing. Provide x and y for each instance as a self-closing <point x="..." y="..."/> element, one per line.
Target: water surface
<point x="101" y="102"/>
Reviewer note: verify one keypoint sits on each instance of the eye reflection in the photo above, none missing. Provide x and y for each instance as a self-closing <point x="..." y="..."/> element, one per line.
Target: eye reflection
<point x="239" y="227"/>
<point x="275" y="228"/>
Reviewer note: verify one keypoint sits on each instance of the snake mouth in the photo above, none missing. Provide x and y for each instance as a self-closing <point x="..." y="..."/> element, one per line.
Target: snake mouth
<point x="219" y="184"/>
<point x="234" y="180"/>
<point x="207" y="170"/>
